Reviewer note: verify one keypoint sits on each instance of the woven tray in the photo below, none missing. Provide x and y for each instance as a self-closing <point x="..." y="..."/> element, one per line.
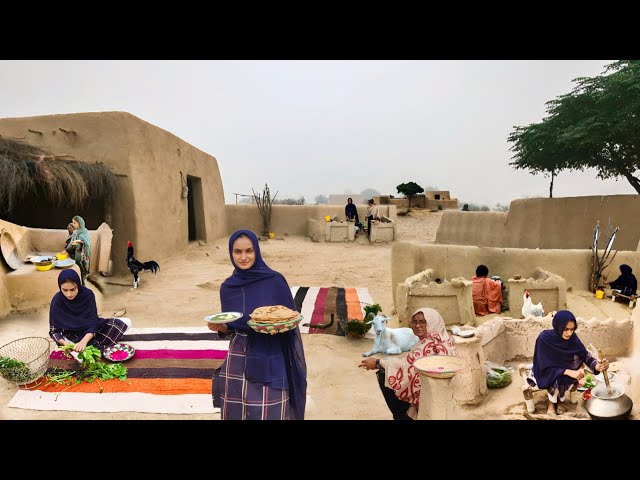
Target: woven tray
<point x="440" y="366"/>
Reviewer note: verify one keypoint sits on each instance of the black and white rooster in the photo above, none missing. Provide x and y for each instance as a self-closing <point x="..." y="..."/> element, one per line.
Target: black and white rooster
<point x="135" y="266"/>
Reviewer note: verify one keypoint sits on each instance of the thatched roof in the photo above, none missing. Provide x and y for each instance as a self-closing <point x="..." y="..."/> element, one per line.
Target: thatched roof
<point x="27" y="171"/>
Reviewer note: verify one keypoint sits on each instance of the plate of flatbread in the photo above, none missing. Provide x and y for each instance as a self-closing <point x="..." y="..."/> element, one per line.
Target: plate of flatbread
<point x="274" y="314"/>
<point x="274" y="319"/>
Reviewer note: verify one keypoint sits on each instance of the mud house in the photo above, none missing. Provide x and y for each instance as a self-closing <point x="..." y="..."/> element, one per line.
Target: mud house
<point x="432" y="200"/>
<point x="166" y="192"/>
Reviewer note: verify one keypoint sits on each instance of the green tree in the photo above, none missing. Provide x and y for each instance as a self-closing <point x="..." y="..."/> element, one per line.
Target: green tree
<point x="321" y="200"/>
<point x="597" y="125"/>
<point x="409" y="190"/>
<point x="369" y="193"/>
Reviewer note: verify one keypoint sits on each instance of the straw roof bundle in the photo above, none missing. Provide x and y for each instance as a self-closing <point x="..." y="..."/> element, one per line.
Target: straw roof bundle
<point x="27" y="170"/>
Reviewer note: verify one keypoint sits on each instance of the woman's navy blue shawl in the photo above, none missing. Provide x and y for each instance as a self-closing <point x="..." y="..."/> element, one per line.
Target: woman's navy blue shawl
<point x="553" y="354"/>
<point x="81" y="313"/>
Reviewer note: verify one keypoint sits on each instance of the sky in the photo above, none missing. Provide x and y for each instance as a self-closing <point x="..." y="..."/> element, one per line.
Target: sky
<point x="321" y="127"/>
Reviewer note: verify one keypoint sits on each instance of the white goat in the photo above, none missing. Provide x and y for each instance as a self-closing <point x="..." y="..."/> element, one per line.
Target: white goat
<point x="390" y="340"/>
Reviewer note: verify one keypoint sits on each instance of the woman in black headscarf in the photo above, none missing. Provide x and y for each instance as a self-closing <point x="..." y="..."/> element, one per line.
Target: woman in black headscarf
<point x="350" y="211"/>
<point x="73" y="316"/>
<point x="557" y="360"/>
<point x="263" y="377"/>
<point x="626" y="283"/>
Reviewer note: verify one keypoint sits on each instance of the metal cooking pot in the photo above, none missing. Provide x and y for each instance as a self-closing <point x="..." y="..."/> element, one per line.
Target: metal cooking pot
<point x="601" y="406"/>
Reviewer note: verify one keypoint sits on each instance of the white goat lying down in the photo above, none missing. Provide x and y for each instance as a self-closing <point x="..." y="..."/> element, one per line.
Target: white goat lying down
<point x="390" y="340"/>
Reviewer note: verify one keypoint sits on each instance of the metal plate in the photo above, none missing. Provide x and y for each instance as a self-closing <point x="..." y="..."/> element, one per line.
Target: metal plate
<point x="223" y="317"/>
<point x="66" y="263"/>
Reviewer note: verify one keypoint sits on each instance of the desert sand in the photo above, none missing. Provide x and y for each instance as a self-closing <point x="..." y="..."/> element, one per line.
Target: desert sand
<point x="187" y="288"/>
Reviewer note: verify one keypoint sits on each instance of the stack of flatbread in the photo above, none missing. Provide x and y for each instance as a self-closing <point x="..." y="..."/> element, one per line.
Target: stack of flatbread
<point x="273" y="314"/>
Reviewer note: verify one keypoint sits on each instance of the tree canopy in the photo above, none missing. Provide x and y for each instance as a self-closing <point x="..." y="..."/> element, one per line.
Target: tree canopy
<point x="409" y="190"/>
<point x="321" y="199"/>
<point x="369" y="193"/>
<point x="596" y="125"/>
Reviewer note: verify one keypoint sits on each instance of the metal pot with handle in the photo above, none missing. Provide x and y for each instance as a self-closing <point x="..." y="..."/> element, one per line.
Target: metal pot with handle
<point x="602" y="406"/>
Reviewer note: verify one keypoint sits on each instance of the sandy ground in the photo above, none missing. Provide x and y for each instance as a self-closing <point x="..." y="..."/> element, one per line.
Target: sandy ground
<point x="187" y="289"/>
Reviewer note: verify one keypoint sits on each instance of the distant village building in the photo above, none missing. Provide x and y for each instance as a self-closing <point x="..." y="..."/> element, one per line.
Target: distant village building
<point x="430" y="200"/>
<point x="342" y="199"/>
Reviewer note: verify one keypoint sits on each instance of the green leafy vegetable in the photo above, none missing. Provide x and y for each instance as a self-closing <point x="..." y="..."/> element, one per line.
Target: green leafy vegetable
<point x="589" y="381"/>
<point x="14" y="370"/>
<point x="92" y="369"/>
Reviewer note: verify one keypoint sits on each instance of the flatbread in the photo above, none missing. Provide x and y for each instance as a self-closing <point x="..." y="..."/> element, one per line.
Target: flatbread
<point x="273" y="314"/>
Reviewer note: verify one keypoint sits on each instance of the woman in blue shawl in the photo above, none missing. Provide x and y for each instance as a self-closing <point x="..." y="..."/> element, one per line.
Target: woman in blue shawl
<point x="80" y="239"/>
<point x="73" y="316"/>
<point x="350" y="211"/>
<point x="558" y="358"/>
<point x="263" y="377"/>
<point x="626" y="283"/>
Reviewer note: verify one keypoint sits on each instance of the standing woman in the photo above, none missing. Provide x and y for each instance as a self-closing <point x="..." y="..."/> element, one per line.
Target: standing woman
<point x="351" y="211"/>
<point x="73" y="317"/>
<point x="80" y="238"/>
<point x="263" y="377"/>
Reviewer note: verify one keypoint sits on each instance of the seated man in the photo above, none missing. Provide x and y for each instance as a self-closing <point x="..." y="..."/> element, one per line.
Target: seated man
<point x="626" y="284"/>
<point x="486" y="293"/>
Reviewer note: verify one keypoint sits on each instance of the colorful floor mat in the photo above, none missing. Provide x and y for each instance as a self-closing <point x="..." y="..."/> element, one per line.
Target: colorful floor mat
<point x="171" y="372"/>
<point x="317" y="304"/>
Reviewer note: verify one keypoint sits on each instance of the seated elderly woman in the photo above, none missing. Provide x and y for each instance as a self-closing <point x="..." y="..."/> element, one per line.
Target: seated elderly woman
<point x="557" y="361"/>
<point x="399" y="380"/>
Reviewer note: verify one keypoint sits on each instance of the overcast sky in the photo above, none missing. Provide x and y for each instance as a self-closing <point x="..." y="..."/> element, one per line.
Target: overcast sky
<point x="322" y="127"/>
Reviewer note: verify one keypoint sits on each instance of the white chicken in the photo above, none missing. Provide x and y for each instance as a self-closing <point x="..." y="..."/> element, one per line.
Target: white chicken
<point x="529" y="308"/>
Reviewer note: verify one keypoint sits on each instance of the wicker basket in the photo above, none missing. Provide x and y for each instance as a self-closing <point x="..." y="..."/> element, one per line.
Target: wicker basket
<point x="440" y="366"/>
<point x="33" y="353"/>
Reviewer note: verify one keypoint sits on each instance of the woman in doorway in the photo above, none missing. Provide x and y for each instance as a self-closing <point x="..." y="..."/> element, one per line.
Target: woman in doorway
<point x="82" y="243"/>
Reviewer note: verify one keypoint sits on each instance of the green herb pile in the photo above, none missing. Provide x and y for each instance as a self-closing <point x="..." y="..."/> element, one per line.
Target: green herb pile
<point x="498" y="377"/>
<point x="357" y="327"/>
<point x="92" y="369"/>
<point x="14" y="370"/>
<point x="375" y="309"/>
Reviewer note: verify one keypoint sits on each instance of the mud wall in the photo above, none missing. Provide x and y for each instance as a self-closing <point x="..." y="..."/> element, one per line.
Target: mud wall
<point x="512" y="339"/>
<point x="450" y="261"/>
<point x="291" y="219"/>
<point x="549" y="223"/>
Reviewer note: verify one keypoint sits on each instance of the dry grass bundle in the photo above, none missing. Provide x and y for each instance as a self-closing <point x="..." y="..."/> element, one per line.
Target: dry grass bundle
<point x="28" y="171"/>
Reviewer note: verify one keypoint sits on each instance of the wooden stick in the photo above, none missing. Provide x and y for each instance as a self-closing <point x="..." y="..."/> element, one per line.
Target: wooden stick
<point x="606" y="377"/>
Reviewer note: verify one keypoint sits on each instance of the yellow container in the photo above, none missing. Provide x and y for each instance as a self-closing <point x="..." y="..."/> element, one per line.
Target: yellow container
<point x="600" y="294"/>
<point x="272" y="235"/>
<point x="44" y="268"/>
<point x="327" y="218"/>
<point x="62" y="256"/>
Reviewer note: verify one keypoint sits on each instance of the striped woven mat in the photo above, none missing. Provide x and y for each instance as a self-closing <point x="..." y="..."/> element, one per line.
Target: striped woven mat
<point x="171" y="372"/>
<point x="316" y="304"/>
